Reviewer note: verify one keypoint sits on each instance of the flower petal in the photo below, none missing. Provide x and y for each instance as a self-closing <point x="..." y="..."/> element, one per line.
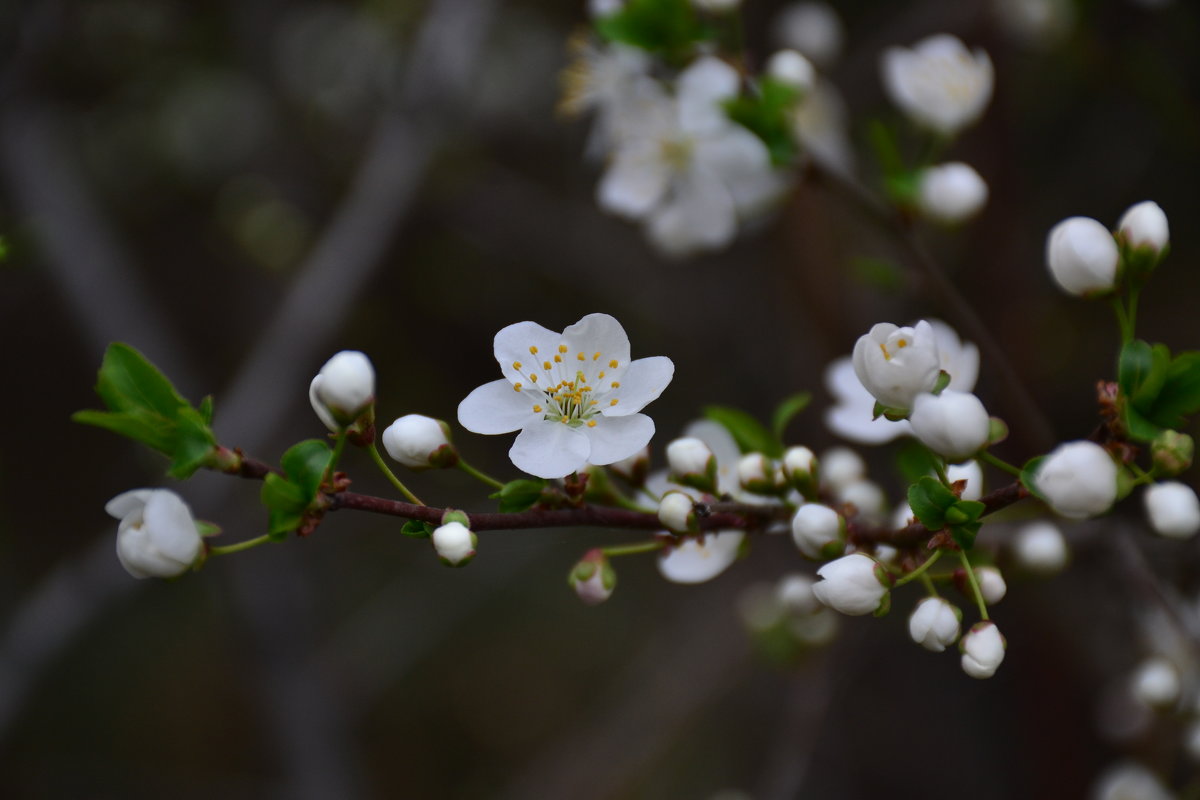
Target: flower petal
<point x="550" y="450"/>
<point x="634" y="183"/>
<point x="617" y="438"/>
<point x="524" y="343"/>
<point x="695" y="561"/>
<point x="127" y="503"/>
<point x="700" y="216"/>
<point x="701" y="89"/>
<point x="173" y="528"/>
<point x="642" y="383"/>
<point x="598" y="334"/>
<point x="496" y="408"/>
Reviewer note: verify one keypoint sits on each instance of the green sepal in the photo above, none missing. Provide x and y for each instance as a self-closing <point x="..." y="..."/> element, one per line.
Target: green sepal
<point x="750" y="434"/>
<point x="417" y="529"/>
<point x="964" y="535"/>
<point x="207" y="529"/>
<point x="305" y="465"/>
<point x="786" y="411"/>
<point x="1027" y="472"/>
<point x="997" y="430"/>
<point x="668" y="27"/>
<point x="894" y="414"/>
<point x="943" y="380"/>
<point x="519" y="495"/>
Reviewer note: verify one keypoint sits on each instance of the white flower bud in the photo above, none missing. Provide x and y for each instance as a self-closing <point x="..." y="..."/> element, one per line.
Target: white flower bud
<point x="811" y="28"/>
<point x="455" y="544"/>
<point x="818" y="530"/>
<point x="676" y="513"/>
<point x="972" y="473"/>
<point x="157" y="536"/>
<point x="952" y="424"/>
<point x="854" y="585"/>
<point x="799" y="462"/>
<point x="1173" y="509"/>
<point x="593" y="578"/>
<point x="343" y="388"/>
<point x="1145" y="225"/>
<point x="1040" y="547"/>
<point x="756" y="473"/>
<point x="991" y="584"/>
<point x="841" y="466"/>
<point x="951" y="193"/>
<point x="1129" y="781"/>
<point x="896" y="364"/>
<point x="692" y="463"/>
<point x="1156" y="683"/>
<point x="792" y="69"/>
<point x="795" y="594"/>
<point x="867" y="498"/>
<point x="1078" y="479"/>
<point x="1082" y="256"/>
<point x="934" y="624"/>
<point x="419" y="442"/>
<point x="938" y="83"/>
<point x="982" y="650"/>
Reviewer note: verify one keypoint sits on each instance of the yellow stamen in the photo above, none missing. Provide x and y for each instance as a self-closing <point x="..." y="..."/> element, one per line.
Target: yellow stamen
<point x="596" y="356"/>
<point x="613" y="363"/>
<point x="562" y="348"/>
<point x="614" y="401"/>
<point x="533" y="350"/>
<point x="886" y="355"/>
<point x="616" y="384"/>
<point x="532" y="377"/>
<point x="565" y="419"/>
<point x="516" y="365"/>
<point x="516" y="387"/>
<point x="601" y="375"/>
<point x="902" y="343"/>
<point x="545" y="365"/>
<point x="591" y="423"/>
<point x="557" y="360"/>
<point x="579" y="356"/>
<point x="537" y="409"/>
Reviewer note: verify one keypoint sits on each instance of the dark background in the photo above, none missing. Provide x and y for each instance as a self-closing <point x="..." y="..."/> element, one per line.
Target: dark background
<point x="240" y="189"/>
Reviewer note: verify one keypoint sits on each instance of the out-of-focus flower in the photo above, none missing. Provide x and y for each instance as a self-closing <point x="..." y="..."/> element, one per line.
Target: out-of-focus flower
<point x="938" y="82"/>
<point x="792" y="69"/>
<point x="982" y="650"/>
<point x="896" y="364"/>
<point x="1129" y="781"/>
<point x="1173" y="509"/>
<point x="1082" y="256"/>
<point x="820" y="125"/>
<point x="851" y="415"/>
<point x="934" y="624"/>
<point x="1040" y="547"/>
<point x="1145" y="225"/>
<point x="841" y="466"/>
<point x="573" y="395"/>
<point x="951" y="193"/>
<point x="853" y="584"/>
<point x="811" y="28"/>
<point x="157" y="537"/>
<point x="1078" y="479"/>
<point x="1156" y="683"/>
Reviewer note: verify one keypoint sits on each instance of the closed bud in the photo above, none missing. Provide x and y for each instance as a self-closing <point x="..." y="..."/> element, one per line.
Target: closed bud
<point x="800" y="470"/>
<point x="1172" y="452"/>
<point x="1173" y="509"/>
<point x="692" y="463"/>
<point x="818" y="531"/>
<point x="455" y="543"/>
<point x="991" y="584"/>
<point x="792" y="69"/>
<point x="1144" y="225"/>
<point x="841" y="466"/>
<point x="982" y="650"/>
<point x="420" y="442"/>
<point x="677" y="513"/>
<point x="1040" y="547"/>
<point x="1156" y="683"/>
<point x="1078" y="479"/>
<point x="951" y="193"/>
<point x="593" y="578"/>
<point x="951" y="424"/>
<point x="756" y="474"/>
<point x="157" y="536"/>
<point x="897" y="364"/>
<point x="854" y="585"/>
<point x="343" y="389"/>
<point x="934" y="624"/>
<point x="1082" y="256"/>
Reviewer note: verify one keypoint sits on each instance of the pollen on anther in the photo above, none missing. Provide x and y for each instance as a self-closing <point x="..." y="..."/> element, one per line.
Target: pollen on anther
<point x="613" y="363"/>
<point x="580" y="356"/>
<point x="616" y="384"/>
<point x="614" y="401"/>
<point x="516" y="365"/>
<point x="601" y="375"/>
<point x="596" y="356"/>
<point x="546" y="365"/>
<point x="558" y="359"/>
<point x="565" y="419"/>
<point x="591" y="423"/>
<point x="537" y="409"/>
<point x="532" y="377"/>
<point x="562" y="348"/>
<point x="902" y="343"/>
<point x="516" y="387"/>
<point x="533" y="350"/>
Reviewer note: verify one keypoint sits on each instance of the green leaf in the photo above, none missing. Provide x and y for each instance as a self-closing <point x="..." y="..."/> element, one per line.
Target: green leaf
<point x="768" y="115"/>
<point x="964" y="535"/>
<point x="1027" y="472"/>
<point x="786" y="411"/>
<point x="417" y="529"/>
<point x="930" y="500"/>
<point x="127" y="381"/>
<point x="305" y="464"/>
<point x="668" y="27"/>
<point x="750" y="434"/>
<point x="914" y="460"/>
<point x="206" y="409"/>
<point x="141" y="426"/>
<point x="1179" y="395"/>
<point x="191" y="445"/>
<point x="1141" y="371"/>
<point x="519" y="495"/>
<point x="1140" y="429"/>
<point x="286" y="503"/>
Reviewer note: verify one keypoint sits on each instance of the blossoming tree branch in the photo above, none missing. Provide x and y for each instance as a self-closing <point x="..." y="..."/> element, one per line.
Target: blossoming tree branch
<point x="695" y="146"/>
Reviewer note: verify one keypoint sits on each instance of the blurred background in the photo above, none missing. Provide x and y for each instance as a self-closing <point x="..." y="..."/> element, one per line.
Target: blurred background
<point x="241" y="189"/>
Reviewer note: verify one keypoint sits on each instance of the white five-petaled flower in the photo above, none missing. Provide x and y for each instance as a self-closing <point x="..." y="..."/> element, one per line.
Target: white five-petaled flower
<point x="896" y="364"/>
<point x="982" y="650"/>
<point x="342" y="389"/>
<point x="1082" y="256"/>
<point x="1078" y="479"/>
<point x="853" y="584"/>
<point x="157" y="537"/>
<point x="952" y="424"/>
<point x="934" y="624"/>
<point x="951" y="193"/>
<point x="573" y="395"/>
<point x="938" y="83"/>
<point x="684" y="168"/>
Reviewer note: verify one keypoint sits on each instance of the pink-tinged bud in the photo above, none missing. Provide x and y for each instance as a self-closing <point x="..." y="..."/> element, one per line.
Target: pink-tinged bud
<point x="593" y="578"/>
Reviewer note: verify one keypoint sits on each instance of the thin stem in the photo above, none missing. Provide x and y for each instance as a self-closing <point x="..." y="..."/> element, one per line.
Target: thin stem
<point x="391" y="476"/>
<point x="998" y="462"/>
<point x="240" y="546"/>
<point x="338" y="447"/>
<point x="479" y="474"/>
<point x="939" y="466"/>
<point x="1123" y="320"/>
<point x="634" y="549"/>
<point x="1142" y="476"/>
<point x="1134" y="293"/>
<point x="974" y="581"/>
<point x="930" y="589"/>
<point x="919" y="572"/>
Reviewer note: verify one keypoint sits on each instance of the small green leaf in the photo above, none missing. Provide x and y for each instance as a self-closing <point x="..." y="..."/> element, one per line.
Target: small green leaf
<point x="786" y="411"/>
<point x="750" y="434"/>
<point x="141" y="426"/>
<point x="929" y="500"/>
<point x="914" y="460"/>
<point x="191" y="445"/>
<point x="417" y="529"/>
<point x="519" y="495"/>
<point x="128" y="380"/>
<point x="964" y="535"/>
<point x="305" y="464"/>
<point x="286" y="503"/>
<point x="1179" y="395"/>
<point x="1027" y="474"/>
<point x="668" y="27"/>
<point x="206" y="409"/>
<point x="1140" y="429"/>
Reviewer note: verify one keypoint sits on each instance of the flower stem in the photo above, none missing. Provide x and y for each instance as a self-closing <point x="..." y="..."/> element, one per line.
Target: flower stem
<point x="939" y="466"/>
<point x="240" y="546"/>
<point x="974" y="581"/>
<point x="478" y="474"/>
<point x="999" y="463"/>
<point x="1132" y="314"/>
<point x="634" y="549"/>
<point x="927" y="582"/>
<point x="1142" y="476"/>
<point x="919" y="572"/>
<point x="391" y="476"/>
<point x="1123" y="320"/>
<point x="338" y="447"/>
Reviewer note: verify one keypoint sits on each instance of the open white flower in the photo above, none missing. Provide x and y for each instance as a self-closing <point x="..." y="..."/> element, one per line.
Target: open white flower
<point x="696" y="560"/>
<point x="684" y="168"/>
<point x="157" y="537"/>
<point x="939" y="83"/>
<point x="896" y="364"/>
<point x="573" y="395"/>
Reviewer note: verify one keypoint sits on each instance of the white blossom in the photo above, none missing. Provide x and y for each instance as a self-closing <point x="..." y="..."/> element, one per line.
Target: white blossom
<point x="819" y="124"/>
<point x="695" y="560"/>
<point x="1145" y="225"/>
<point x="1156" y="683"/>
<point x="951" y="193"/>
<point x="343" y="388"/>
<point x="1078" y="479"/>
<point x="851" y="415"/>
<point x="952" y="424"/>
<point x="852" y="584"/>
<point x="938" y="83"/>
<point x="1040" y="547"/>
<point x="867" y="498"/>
<point x="812" y="28"/>
<point x="934" y="624"/>
<point x="795" y="594"/>
<point x="841" y="466"/>
<point x="157" y="536"/>
<point x="896" y="364"/>
<point x="613" y="82"/>
<point x="573" y="395"/>
<point x="1173" y="509"/>
<point x="991" y="584"/>
<point x="817" y="530"/>
<point x="1082" y="256"/>
<point x="455" y="544"/>
<point x="957" y="358"/>
<point x="417" y="441"/>
<point x="982" y="650"/>
<point x="792" y="69"/>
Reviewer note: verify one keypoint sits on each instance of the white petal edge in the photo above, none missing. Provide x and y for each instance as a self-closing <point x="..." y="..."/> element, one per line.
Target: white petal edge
<point x="550" y="450"/>
<point x="496" y="407"/>
<point x="617" y="438"/>
<point x="643" y="382"/>
<point x="598" y="333"/>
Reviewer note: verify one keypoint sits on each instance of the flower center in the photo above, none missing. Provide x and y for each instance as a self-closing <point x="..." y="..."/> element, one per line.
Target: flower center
<point x="570" y="388"/>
